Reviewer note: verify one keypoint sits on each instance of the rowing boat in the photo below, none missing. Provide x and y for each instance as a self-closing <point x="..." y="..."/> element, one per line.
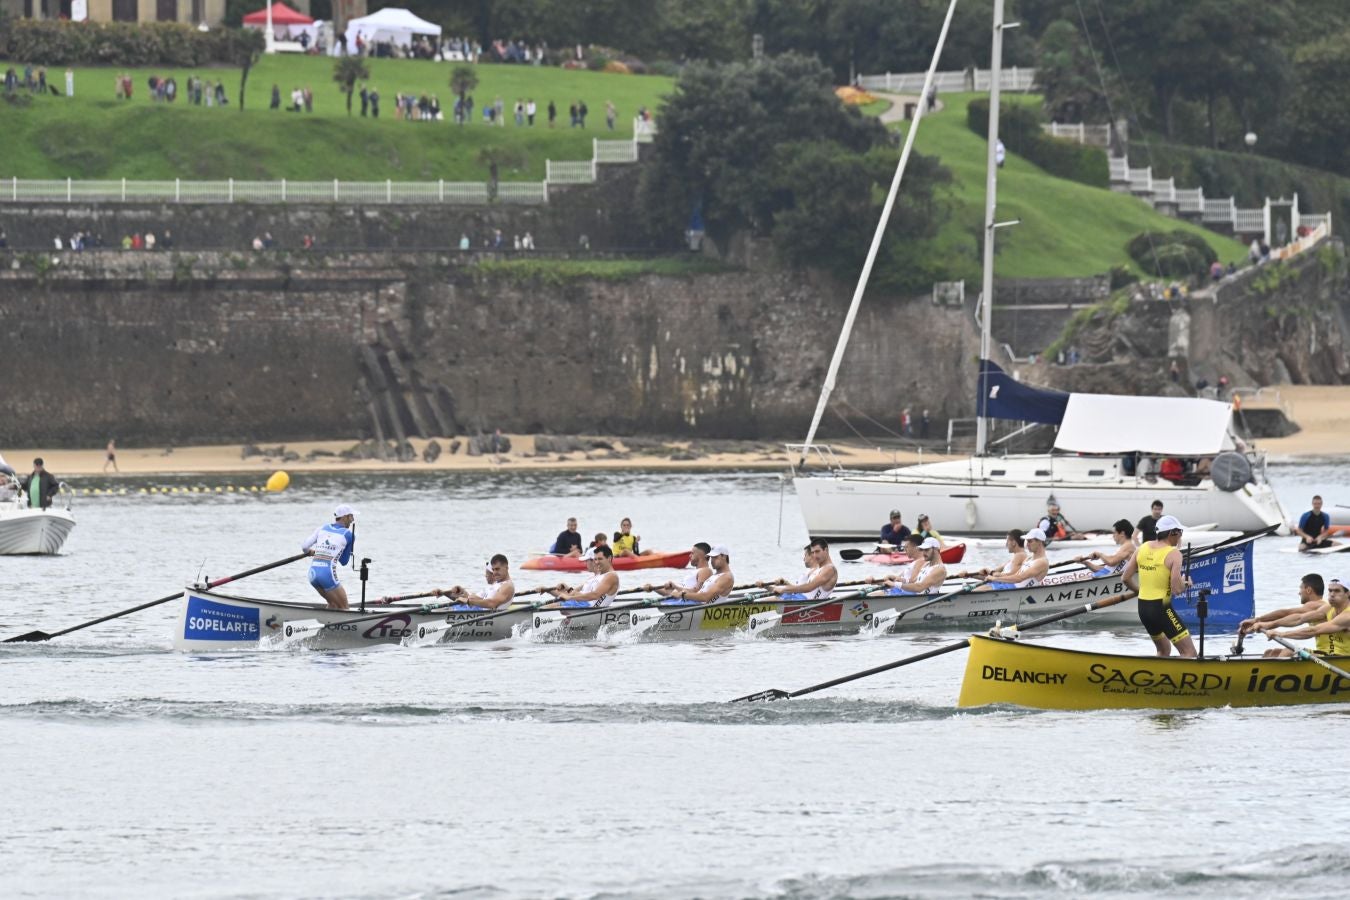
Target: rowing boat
<point x="951" y="554"/>
<point x="1034" y="675"/>
<point x="654" y="559"/>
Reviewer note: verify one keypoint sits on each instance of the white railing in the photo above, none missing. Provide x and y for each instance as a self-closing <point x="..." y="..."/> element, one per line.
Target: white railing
<point x="614" y="151"/>
<point x="1012" y="79"/>
<point x="1096" y="135"/>
<point x="1316" y="220"/>
<point x="569" y="172"/>
<point x="1120" y="168"/>
<point x="1249" y="221"/>
<point x="644" y="131"/>
<point x="1141" y="180"/>
<point x="1164" y="190"/>
<point x="1219" y="210"/>
<point x="1191" y="202"/>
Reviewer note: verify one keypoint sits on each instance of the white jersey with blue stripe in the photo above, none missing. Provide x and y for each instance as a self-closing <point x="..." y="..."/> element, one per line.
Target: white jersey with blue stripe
<point x="331" y="541"/>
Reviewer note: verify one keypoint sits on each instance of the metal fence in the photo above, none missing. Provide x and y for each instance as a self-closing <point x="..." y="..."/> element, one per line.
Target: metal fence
<point x="1096" y="135"/>
<point x="1012" y="79"/>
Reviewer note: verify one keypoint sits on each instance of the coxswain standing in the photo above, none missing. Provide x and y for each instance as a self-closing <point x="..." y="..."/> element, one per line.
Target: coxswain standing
<point x="601" y="587"/>
<point x="820" y="581"/>
<point x="331" y="546"/>
<point x="498" y="573"/>
<point x="1157" y="563"/>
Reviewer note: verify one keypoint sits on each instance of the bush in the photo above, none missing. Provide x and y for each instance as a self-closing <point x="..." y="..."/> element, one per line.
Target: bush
<point x="1020" y="130"/>
<point x="1171" y="254"/>
<point x="50" y="42"/>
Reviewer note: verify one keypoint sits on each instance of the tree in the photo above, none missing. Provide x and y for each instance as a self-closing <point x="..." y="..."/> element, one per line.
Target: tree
<point x="347" y="71"/>
<point x="1068" y="77"/>
<point x="462" y="80"/>
<point x="1319" y="118"/>
<point x="246" y="48"/>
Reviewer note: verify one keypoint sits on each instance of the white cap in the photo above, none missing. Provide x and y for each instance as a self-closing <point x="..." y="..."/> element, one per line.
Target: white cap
<point x="588" y="555"/>
<point x="344" y="510"/>
<point x="1168" y="523"/>
<point x="720" y="550"/>
<point x="930" y="544"/>
<point x="1034" y="534"/>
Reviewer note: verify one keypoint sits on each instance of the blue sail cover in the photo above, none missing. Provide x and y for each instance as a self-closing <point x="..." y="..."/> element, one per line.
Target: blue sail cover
<point x="1001" y="397"/>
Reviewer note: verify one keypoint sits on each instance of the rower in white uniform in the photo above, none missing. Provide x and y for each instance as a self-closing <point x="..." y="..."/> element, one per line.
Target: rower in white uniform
<point x="1030" y="573"/>
<point x="718" y="585"/>
<point x="601" y="587"/>
<point x="699" y="571"/>
<point x="500" y="591"/>
<point x="1109" y="563"/>
<point x="926" y="574"/>
<point x="820" y="581"/>
<point x="1017" y="547"/>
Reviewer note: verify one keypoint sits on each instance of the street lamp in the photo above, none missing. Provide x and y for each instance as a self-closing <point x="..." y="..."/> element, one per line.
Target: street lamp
<point x="1250" y="139"/>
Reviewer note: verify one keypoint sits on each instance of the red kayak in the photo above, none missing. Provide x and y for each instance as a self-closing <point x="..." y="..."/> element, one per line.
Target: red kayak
<point x="653" y="559"/>
<point x="953" y="554"/>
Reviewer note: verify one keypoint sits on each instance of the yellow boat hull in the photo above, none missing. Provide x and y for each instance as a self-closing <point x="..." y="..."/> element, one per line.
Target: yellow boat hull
<point x="1019" y="674"/>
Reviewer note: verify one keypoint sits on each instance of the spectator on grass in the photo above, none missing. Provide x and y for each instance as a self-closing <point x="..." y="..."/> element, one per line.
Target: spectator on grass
<point x="552" y="113"/>
<point x="611" y="114"/>
<point x="365" y="99"/>
<point x="276" y="96"/>
<point x="167" y="240"/>
<point x="530" y="111"/>
<point x="464" y="243"/>
<point x="70" y="82"/>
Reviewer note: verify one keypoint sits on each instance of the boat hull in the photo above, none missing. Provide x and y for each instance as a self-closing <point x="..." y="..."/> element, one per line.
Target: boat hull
<point x="654" y="560"/>
<point x="968" y="497"/>
<point x="1040" y="677"/>
<point x="34" y="531"/>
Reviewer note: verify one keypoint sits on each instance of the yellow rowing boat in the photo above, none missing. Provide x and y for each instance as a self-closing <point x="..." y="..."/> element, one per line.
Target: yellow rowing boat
<point x="1012" y="672"/>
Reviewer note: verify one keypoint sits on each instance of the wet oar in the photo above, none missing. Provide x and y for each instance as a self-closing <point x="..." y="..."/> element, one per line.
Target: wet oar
<point x="34" y="636"/>
<point x="760" y="622"/>
<point x="1304" y="653"/>
<point x="776" y="694"/>
<point x="884" y="620"/>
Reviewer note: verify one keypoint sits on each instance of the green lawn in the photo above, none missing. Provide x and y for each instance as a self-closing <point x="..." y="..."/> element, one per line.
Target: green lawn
<point x="95" y="136"/>
<point x="1068" y="229"/>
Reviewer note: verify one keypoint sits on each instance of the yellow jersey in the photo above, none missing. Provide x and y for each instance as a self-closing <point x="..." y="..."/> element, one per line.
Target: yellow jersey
<point x="1332" y="644"/>
<point x="1155" y="579"/>
<point x="623" y="543"/>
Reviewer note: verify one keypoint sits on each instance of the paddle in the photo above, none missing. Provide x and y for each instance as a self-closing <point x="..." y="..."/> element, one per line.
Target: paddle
<point x="776" y="694"/>
<point x="298" y="629"/>
<point x="766" y="620"/>
<point x="34" y="636"/>
<point x="1305" y="654"/>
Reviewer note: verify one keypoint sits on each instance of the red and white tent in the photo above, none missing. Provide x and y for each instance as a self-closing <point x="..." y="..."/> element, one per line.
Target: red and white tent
<point x="281" y="15"/>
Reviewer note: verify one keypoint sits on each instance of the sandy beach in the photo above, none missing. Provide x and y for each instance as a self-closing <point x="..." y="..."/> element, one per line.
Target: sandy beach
<point x="1323" y="413"/>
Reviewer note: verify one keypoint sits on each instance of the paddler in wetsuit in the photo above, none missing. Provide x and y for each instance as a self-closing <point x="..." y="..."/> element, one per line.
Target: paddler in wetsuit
<point x="1313" y="526"/>
<point x="1157" y="565"/>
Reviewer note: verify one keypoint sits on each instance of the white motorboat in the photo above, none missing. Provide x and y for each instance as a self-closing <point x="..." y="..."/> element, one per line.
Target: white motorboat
<point x="1110" y="455"/>
<point x="32" y="531"/>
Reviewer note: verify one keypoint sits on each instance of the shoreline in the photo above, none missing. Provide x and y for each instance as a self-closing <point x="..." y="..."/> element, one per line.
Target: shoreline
<point x="1322" y="412"/>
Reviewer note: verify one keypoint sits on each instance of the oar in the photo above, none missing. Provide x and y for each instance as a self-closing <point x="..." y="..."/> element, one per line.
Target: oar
<point x="34" y="636"/>
<point x="300" y="628"/>
<point x="764" y="621"/>
<point x="884" y="620"/>
<point x="1304" y="653"/>
<point x="429" y="634"/>
<point x="776" y="694"/>
<point x="658" y="614"/>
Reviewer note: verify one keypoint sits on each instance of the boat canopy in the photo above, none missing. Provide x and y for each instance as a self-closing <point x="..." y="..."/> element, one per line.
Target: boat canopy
<point x="1003" y="397"/>
<point x="1170" y="426"/>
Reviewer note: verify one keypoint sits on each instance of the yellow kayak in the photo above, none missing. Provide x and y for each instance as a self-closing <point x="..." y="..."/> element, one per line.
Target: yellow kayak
<point x="1032" y="675"/>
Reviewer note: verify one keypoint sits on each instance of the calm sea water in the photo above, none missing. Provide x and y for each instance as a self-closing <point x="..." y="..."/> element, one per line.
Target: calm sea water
<point x="516" y="769"/>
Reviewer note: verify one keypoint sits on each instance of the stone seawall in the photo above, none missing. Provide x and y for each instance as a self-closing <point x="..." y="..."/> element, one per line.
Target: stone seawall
<point x="197" y="347"/>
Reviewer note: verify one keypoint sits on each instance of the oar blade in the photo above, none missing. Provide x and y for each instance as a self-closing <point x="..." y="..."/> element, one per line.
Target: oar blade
<point x="425" y="635"/>
<point x="31" y="637"/>
<point x="881" y="622"/>
<point x="546" y="625"/>
<point x="761" y="622"/>
<point x="765" y="695"/>
<point x="301" y="629"/>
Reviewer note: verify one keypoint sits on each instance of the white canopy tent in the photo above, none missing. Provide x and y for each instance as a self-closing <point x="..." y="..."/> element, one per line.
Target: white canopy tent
<point x="1167" y="426"/>
<point x="389" y="24"/>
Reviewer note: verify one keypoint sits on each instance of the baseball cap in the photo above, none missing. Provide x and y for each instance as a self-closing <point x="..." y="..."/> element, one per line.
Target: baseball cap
<point x="1169" y="523"/>
<point x="1034" y="534"/>
<point x="895" y="514"/>
<point x="930" y="544"/>
<point x="344" y="510"/>
<point x="721" y="550"/>
<point x="588" y="555"/>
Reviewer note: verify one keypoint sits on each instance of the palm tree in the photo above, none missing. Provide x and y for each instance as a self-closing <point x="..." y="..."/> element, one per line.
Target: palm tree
<point x="347" y="71"/>
<point x="462" y="80"/>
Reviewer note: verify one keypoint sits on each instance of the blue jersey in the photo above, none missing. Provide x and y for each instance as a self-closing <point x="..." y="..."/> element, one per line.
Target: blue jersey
<point x="892" y="535"/>
<point x="331" y="541"/>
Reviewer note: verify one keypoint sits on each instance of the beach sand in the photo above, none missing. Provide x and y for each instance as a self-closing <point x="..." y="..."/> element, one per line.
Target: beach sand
<point x="1323" y="413"/>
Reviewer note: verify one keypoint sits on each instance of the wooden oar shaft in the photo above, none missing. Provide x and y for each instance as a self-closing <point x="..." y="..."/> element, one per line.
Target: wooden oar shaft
<point x="34" y="636"/>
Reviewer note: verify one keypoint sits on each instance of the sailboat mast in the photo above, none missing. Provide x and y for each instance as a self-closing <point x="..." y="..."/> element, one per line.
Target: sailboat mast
<point x="990" y="205"/>
<point x="828" y="387"/>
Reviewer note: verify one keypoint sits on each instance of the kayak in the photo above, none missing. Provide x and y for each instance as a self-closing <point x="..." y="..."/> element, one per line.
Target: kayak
<point x="652" y="559"/>
<point x="952" y="554"/>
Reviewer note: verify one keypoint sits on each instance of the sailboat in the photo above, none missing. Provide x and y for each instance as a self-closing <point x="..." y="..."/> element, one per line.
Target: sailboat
<point x="1113" y="455"/>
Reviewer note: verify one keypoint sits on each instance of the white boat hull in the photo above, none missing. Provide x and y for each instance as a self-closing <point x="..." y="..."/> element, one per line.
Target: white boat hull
<point x="34" y="531"/>
<point x="992" y="495"/>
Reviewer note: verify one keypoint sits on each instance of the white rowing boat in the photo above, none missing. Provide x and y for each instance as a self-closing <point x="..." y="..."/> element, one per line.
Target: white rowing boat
<point x="26" y="531"/>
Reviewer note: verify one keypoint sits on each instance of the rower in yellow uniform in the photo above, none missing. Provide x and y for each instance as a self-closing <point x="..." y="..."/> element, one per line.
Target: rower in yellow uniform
<point x="1157" y="563"/>
<point x="1330" y="625"/>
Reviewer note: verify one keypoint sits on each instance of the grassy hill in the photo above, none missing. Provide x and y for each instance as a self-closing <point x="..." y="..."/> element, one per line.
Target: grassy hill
<point x="94" y="135"/>
<point x="1067" y="229"/>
